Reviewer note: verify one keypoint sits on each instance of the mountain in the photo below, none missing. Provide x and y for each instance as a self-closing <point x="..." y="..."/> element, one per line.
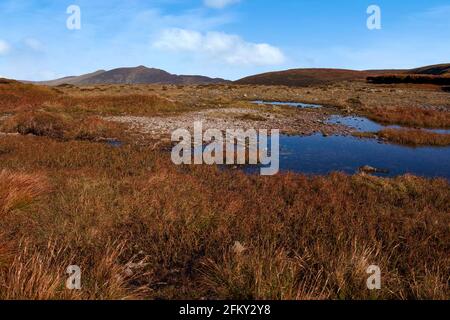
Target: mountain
<point x="72" y="80"/>
<point x="306" y="77"/>
<point x="138" y="75"/>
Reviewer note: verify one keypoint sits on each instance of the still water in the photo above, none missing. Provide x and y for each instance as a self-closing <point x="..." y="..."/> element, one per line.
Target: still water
<point x="321" y="155"/>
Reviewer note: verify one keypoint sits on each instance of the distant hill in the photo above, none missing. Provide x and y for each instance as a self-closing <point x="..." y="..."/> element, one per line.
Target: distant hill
<point x="303" y="77"/>
<point x="436" y="70"/>
<point x="138" y="75"/>
<point x="72" y="80"/>
<point x="307" y="77"/>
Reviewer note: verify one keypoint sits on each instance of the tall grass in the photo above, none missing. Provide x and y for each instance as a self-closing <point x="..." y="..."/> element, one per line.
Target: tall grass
<point x="19" y="190"/>
<point x="16" y="96"/>
<point x="169" y="232"/>
<point x="140" y="227"/>
<point x="412" y="116"/>
<point x="59" y="126"/>
<point x="415" y="137"/>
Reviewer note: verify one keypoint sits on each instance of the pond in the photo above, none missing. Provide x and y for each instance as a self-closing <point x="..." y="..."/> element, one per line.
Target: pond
<point x="288" y="104"/>
<point x="363" y="124"/>
<point x="322" y="155"/>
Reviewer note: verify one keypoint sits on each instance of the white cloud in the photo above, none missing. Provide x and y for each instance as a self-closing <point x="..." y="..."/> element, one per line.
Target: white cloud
<point x="219" y="4"/>
<point x="34" y="44"/>
<point x="220" y="46"/>
<point x="4" y="47"/>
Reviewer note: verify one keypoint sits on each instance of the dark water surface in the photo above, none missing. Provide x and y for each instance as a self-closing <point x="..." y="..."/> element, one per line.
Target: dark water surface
<point x="322" y="155"/>
<point x="363" y="124"/>
<point x="289" y="104"/>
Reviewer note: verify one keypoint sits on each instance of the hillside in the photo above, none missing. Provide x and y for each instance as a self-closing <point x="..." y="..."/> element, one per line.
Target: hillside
<point x="436" y="70"/>
<point x="304" y="77"/>
<point x="307" y="77"/>
<point x="138" y="75"/>
<point x="73" y="79"/>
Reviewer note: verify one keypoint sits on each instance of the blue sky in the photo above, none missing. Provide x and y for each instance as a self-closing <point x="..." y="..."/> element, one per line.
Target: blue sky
<point x="220" y="38"/>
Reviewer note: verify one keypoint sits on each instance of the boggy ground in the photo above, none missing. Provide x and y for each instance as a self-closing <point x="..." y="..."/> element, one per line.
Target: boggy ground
<point x="140" y="227"/>
<point x="410" y="106"/>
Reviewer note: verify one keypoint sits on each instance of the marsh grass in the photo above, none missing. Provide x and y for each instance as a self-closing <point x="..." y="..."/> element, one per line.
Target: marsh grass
<point x="140" y="227"/>
<point x="17" y="96"/>
<point x="130" y="104"/>
<point x="415" y="137"/>
<point x="412" y="117"/>
<point x="409" y="137"/>
<point x="110" y="208"/>
<point x="59" y="126"/>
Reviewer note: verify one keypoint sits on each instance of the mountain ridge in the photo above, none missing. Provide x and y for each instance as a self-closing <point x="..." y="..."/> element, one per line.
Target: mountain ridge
<point x="291" y="77"/>
<point x="132" y="75"/>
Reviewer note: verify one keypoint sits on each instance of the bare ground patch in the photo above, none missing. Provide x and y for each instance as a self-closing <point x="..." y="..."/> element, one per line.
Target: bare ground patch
<point x="301" y="122"/>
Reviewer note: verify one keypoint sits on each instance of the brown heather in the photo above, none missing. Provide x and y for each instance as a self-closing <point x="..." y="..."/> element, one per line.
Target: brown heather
<point x="414" y="117"/>
<point x="141" y="228"/>
<point x="415" y="137"/>
<point x="16" y="96"/>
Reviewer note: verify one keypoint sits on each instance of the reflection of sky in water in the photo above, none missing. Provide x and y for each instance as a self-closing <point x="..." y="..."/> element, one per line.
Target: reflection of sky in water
<point x="366" y="125"/>
<point x="321" y="155"/>
<point x="289" y="104"/>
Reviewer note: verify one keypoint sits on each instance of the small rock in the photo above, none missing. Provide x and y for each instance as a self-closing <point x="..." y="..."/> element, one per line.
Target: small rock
<point x="369" y="170"/>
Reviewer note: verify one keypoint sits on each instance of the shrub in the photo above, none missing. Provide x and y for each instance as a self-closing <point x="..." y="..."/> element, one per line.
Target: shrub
<point x="38" y="123"/>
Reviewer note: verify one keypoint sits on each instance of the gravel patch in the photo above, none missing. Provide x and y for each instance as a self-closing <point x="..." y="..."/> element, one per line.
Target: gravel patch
<point x="301" y="123"/>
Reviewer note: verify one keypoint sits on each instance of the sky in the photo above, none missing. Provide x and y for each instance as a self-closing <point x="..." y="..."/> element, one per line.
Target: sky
<point x="218" y="38"/>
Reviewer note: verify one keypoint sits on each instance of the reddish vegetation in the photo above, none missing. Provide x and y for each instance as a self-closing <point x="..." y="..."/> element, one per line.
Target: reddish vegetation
<point x="39" y="123"/>
<point x="17" y="96"/>
<point x="418" y="117"/>
<point x="140" y="227"/>
<point x="304" y="77"/>
<point x="58" y="126"/>
<point x="415" y="137"/>
<point x="136" y="104"/>
<point x="18" y="190"/>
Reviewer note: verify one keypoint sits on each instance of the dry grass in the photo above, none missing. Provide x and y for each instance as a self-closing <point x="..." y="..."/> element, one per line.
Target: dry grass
<point x="59" y="126"/>
<point x="39" y="123"/>
<point x="130" y="104"/>
<point x="415" y="117"/>
<point x="174" y="229"/>
<point x="415" y="137"/>
<point x="140" y="227"/>
<point x="18" y="190"/>
<point x="16" y="96"/>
